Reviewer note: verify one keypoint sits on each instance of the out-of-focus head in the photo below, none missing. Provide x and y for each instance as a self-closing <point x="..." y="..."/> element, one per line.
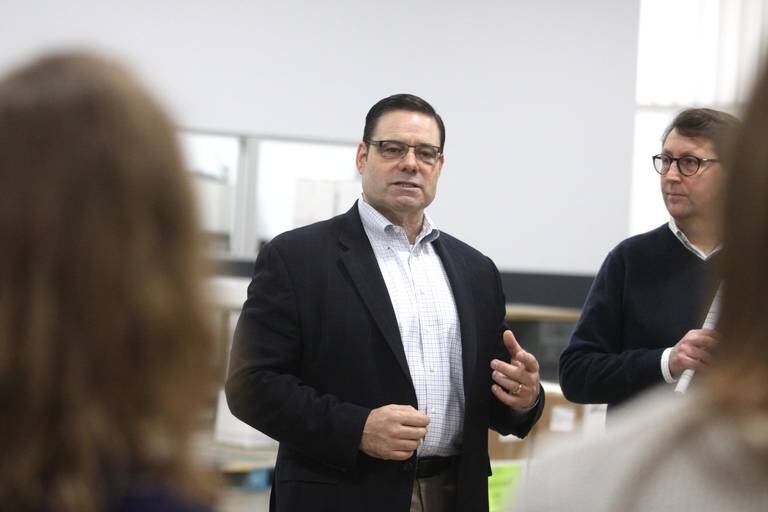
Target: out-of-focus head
<point x="104" y="351"/>
<point x="742" y="363"/>
<point x="689" y="164"/>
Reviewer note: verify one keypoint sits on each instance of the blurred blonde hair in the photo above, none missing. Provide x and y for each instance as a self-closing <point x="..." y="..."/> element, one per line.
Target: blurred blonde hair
<point x="104" y="346"/>
<point x="737" y="382"/>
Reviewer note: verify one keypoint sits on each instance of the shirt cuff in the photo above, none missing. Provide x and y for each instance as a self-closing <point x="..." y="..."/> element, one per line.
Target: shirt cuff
<point x="665" y="366"/>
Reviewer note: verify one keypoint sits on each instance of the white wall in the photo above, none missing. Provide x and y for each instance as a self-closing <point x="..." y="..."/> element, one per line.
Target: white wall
<point x="538" y="96"/>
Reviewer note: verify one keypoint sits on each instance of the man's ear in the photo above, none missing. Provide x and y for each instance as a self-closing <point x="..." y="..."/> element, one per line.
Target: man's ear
<point x="362" y="156"/>
<point x="440" y="163"/>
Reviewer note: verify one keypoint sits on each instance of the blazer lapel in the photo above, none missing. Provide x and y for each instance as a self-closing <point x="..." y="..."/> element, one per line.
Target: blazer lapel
<point x="358" y="258"/>
<point x="458" y="274"/>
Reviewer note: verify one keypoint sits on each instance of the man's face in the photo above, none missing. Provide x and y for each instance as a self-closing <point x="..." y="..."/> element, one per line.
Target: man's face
<point x="690" y="198"/>
<point x="400" y="188"/>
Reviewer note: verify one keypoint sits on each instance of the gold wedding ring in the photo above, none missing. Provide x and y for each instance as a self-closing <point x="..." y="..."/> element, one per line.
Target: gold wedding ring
<point x="516" y="391"/>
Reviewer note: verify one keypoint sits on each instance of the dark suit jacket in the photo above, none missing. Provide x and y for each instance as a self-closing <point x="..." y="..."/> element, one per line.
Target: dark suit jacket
<point x="318" y="346"/>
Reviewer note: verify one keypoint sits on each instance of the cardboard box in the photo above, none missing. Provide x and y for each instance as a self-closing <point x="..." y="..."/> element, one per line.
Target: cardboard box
<point x="509" y="447"/>
<point x="559" y="419"/>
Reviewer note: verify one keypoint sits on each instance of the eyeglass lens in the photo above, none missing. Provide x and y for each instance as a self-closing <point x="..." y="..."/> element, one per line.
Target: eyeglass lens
<point x="687" y="165"/>
<point x="392" y="149"/>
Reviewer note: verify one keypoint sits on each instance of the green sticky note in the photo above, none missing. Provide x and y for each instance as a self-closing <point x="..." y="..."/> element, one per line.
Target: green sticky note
<point x="503" y="485"/>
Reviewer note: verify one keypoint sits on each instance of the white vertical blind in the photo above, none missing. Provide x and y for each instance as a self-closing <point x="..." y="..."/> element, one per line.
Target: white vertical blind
<point x="698" y="51"/>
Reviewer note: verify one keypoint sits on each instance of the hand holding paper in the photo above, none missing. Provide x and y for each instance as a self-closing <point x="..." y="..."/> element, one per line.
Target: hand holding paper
<point x="694" y="350"/>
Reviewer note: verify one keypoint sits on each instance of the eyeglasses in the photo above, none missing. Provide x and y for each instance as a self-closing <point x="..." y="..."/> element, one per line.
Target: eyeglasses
<point x="686" y="165"/>
<point x="395" y="150"/>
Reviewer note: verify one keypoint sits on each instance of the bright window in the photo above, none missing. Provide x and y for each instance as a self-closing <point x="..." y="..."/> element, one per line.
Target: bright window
<point x="302" y="182"/>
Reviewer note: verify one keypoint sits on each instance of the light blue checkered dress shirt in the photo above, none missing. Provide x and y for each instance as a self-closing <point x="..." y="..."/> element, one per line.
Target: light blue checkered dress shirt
<point x="429" y="325"/>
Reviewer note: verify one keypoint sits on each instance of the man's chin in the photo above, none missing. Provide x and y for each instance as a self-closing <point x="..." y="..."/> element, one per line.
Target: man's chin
<point x="409" y="203"/>
<point x="677" y="210"/>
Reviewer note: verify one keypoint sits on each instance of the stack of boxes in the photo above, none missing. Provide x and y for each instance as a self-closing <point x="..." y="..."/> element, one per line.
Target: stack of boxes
<point x="559" y="419"/>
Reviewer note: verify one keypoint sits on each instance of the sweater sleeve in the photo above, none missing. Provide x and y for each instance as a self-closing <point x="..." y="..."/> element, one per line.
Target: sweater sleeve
<point x="597" y="366"/>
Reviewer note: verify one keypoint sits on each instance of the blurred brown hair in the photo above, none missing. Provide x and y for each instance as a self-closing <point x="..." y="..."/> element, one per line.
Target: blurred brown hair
<point x="738" y="381"/>
<point x="104" y="346"/>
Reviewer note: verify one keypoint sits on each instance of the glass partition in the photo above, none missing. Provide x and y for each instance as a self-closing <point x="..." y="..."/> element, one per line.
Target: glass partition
<point x="251" y="188"/>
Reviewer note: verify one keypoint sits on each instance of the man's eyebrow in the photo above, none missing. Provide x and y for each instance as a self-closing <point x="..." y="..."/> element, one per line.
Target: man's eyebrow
<point x="685" y="153"/>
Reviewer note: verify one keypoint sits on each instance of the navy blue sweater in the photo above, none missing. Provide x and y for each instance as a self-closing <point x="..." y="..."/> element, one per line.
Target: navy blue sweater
<point x="649" y="292"/>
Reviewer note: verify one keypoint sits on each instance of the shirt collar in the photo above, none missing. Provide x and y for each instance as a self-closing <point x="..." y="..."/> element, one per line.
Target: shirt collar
<point x="687" y="243"/>
<point x="375" y="222"/>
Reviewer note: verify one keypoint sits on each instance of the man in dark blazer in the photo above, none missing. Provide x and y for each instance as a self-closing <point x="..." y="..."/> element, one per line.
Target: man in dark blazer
<point x="372" y="346"/>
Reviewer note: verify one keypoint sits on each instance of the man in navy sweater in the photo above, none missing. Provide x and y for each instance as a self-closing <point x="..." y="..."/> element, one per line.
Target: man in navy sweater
<point x="641" y="322"/>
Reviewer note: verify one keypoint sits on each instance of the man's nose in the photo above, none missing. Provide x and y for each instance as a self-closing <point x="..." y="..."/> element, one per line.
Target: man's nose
<point x="677" y="175"/>
<point x="409" y="160"/>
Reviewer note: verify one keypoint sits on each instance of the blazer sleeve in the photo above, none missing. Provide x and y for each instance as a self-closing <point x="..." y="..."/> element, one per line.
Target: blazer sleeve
<point x="503" y="419"/>
<point x="596" y="366"/>
<point x="264" y="388"/>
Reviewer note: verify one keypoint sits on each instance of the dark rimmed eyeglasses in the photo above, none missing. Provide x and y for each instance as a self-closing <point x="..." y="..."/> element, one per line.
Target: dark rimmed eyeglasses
<point x="686" y="165"/>
<point x="395" y="150"/>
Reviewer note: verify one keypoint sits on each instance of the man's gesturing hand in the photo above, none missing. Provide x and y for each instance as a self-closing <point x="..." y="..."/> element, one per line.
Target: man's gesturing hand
<point x="393" y="432"/>
<point x="517" y="382"/>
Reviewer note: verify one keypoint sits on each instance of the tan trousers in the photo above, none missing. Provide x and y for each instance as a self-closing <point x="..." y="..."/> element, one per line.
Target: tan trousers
<point x="435" y="494"/>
